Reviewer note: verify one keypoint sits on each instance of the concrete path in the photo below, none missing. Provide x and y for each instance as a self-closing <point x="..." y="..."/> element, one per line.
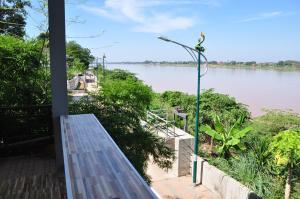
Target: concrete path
<point x="168" y="186"/>
<point x="90" y="85"/>
<point x="91" y="82"/>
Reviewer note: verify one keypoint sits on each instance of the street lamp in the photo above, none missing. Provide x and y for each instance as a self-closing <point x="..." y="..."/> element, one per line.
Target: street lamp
<point x="199" y="50"/>
<point x="103" y="57"/>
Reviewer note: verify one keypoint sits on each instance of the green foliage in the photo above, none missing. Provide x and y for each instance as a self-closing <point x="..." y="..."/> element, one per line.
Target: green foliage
<point x="176" y="98"/>
<point x="128" y="93"/>
<point x="228" y="137"/>
<point x="245" y="169"/>
<point x="24" y="79"/>
<point x="286" y="148"/>
<point x="226" y="107"/>
<point x="122" y="87"/>
<point x="275" y="121"/>
<point x="256" y="168"/>
<point x="118" y="74"/>
<point x="75" y="53"/>
<point x="211" y="104"/>
<point x="260" y="148"/>
<point x="120" y="106"/>
<point x="12" y="17"/>
<point x="77" y="68"/>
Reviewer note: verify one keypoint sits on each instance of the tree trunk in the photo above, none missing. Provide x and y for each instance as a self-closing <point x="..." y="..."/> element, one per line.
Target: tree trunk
<point x="211" y="144"/>
<point x="287" y="192"/>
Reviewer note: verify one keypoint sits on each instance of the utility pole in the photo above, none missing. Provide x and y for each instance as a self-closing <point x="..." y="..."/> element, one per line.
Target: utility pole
<point x="96" y="70"/>
<point x="103" y="65"/>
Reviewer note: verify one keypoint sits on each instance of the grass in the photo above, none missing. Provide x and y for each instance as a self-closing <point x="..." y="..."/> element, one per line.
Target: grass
<point x="244" y="169"/>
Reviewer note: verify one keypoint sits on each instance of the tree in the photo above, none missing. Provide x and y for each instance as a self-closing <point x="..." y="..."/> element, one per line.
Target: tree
<point x="229" y="137"/>
<point x="120" y="106"/>
<point x="211" y="103"/>
<point x="76" y="51"/>
<point x="226" y="107"/>
<point x="129" y="93"/>
<point x="13" y="16"/>
<point x="286" y="149"/>
<point x="77" y="68"/>
<point x="24" y="80"/>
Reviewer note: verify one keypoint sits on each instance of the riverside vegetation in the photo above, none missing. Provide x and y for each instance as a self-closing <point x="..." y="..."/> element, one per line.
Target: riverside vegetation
<point x="263" y="153"/>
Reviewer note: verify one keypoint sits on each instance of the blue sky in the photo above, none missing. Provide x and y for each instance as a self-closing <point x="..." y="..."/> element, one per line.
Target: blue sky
<point x="126" y="30"/>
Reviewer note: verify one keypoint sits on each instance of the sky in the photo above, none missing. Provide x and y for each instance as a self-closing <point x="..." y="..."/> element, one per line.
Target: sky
<point x="127" y="30"/>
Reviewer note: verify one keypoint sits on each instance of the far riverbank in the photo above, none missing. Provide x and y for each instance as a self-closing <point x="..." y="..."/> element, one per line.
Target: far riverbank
<point x="289" y="66"/>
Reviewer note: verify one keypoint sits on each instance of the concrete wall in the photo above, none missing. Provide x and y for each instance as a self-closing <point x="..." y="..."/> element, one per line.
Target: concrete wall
<point x="219" y="182"/>
<point x="209" y="176"/>
<point x="184" y="147"/>
<point x="182" y="144"/>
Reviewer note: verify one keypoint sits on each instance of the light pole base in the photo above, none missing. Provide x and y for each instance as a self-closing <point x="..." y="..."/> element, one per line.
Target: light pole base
<point x="195" y="171"/>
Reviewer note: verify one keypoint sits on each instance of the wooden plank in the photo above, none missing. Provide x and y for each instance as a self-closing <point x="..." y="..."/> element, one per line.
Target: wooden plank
<point x="30" y="177"/>
<point x="95" y="167"/>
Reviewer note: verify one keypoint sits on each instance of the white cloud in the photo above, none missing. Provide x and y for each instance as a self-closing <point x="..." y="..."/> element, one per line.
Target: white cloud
<point x="266" y="15"/>
<point x="164" y="23"/>
<point x="143" y="14"/>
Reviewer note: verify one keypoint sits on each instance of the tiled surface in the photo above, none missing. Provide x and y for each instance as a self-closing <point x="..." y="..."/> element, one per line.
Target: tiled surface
<point x="168" y="186"/>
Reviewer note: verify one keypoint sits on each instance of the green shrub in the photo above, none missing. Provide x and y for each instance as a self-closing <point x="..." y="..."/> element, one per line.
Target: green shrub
<point x="211" y="103"/>
<point x="227" y="137"/>
<point x="275" y="121"/>
<point x="24" y="78"/>
<point x="286" y="149"/>
<point x="245" y="169"/>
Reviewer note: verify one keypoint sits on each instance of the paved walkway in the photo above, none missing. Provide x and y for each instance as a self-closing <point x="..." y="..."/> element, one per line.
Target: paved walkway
<point x="168" y="186"/>
<point x="90" y="85"/>
<point x="91" y="82"/>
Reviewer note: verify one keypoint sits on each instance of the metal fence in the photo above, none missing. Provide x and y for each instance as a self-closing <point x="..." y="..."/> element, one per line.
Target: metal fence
<point x="157" y="123"/>
<point x="20" y="124"/>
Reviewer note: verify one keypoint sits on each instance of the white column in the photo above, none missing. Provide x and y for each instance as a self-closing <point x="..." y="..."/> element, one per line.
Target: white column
<point x="58" y="70"/>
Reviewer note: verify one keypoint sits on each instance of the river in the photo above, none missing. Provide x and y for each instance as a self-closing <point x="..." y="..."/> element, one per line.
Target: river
<point x="259" y="89"/>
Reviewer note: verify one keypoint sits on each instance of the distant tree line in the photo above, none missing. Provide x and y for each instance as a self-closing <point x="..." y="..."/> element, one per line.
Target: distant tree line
<point x="287" y="63"/>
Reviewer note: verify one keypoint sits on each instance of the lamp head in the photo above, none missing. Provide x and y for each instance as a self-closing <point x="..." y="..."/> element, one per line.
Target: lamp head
<point x="202" y="34"/>
<point x="164" y="38"/>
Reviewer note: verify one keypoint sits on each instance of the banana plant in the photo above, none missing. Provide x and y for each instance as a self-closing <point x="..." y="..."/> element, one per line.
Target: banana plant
<point x="228" y="137"/>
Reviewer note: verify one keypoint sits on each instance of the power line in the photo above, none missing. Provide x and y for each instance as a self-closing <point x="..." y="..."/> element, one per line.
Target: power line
<point x="106" y="46"/>
<point x="87" y="37"/>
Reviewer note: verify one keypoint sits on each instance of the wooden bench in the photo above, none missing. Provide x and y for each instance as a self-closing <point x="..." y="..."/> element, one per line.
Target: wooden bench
<point x="95" y="167"/>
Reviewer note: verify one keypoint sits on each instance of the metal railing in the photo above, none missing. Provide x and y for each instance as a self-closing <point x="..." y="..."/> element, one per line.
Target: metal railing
<point x="19" y="124"/>
<point x="158" y="124"/>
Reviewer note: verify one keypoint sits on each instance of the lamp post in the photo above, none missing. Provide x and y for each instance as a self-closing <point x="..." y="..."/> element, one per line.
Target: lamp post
<point x="197" y="58"/>
<point x="103" y="57"/>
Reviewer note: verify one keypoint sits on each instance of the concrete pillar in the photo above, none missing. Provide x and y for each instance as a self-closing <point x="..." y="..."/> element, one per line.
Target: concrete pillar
<point x="56" y="9"/>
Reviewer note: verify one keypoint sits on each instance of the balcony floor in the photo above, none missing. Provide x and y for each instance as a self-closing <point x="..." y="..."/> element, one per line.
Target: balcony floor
<point x="30" y="177"/>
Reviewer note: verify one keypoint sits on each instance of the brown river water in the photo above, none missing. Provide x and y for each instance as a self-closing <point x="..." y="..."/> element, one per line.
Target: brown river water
<point x="259" y="89"/>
